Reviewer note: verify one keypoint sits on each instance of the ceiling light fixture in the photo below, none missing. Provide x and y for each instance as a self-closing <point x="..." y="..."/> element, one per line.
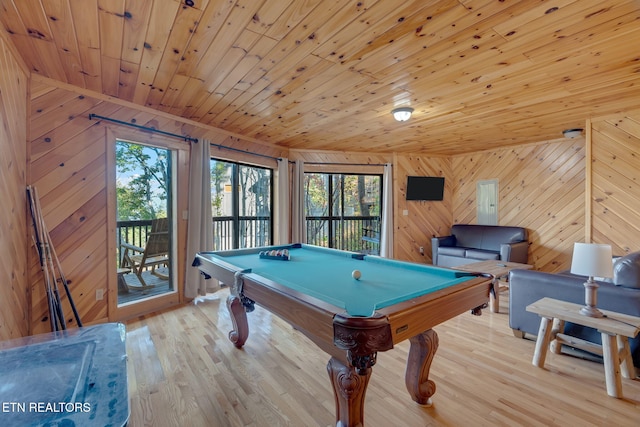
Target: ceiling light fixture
<point x="572" y="133"/>
<point x="402" y="114"/>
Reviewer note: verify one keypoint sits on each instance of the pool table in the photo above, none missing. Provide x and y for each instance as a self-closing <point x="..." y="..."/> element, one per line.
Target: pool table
<point x="351" y="319"/>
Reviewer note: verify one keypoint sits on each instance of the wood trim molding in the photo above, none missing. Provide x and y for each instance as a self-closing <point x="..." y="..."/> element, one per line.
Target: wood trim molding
<point x="110" y="176"/>
<point x="587" y="182"/>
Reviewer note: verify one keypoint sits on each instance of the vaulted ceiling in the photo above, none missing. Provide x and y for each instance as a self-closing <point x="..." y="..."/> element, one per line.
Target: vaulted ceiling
<point x="325" y="74"/>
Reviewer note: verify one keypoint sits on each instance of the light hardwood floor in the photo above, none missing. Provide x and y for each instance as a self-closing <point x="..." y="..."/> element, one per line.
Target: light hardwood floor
<point x="183" y="371"/>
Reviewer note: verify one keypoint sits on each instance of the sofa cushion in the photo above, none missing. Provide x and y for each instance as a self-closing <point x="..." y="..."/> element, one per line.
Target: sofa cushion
<point x="468" y="236"/>
<point x="626" y="271"/>
<point x="482" y="254"/>
<point x="452" y="250"/>
<point x="494" y="237"/>
<point x="488" y="237"/>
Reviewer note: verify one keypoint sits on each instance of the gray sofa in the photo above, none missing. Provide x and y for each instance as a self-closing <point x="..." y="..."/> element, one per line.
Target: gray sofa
<point x="620" y="294"/>
<point x="469" y="243"/>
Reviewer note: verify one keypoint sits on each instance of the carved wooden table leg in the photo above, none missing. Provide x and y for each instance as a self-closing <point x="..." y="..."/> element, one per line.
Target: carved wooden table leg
<point x="349" y="389"/>
<point x="423" y="349"/>
<point x="240" y="332"/>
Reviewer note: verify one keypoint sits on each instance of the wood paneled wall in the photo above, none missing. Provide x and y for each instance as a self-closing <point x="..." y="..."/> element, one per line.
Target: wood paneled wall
<point x="417" y="221"/>
<point x="14" y="299"/>
<point x="541" y="187"/>
<point x="615" y="182"/>
<point x="71" y="167"/>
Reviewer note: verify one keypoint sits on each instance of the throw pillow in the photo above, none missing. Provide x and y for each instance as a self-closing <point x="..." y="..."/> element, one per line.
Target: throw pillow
<point x="626" y="271"/>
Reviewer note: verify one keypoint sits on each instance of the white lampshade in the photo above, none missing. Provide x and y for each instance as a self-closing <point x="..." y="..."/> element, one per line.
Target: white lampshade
<point x="592" y="260"/>
<point x="402" y="114"/>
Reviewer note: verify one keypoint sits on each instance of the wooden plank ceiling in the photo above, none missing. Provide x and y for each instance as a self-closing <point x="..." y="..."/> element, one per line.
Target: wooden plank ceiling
<point x="314" y="74"/>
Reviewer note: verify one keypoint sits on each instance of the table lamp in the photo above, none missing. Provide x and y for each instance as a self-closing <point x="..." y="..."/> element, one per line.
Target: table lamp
<point x="591" y="260"/>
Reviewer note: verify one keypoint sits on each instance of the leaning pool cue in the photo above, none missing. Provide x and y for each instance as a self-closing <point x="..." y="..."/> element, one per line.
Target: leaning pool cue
<point x="64" y="281"/>
<point x="48" y="246"/>
<point x="50" y="267"/>
<point x="60" y="323"/>
<point x="52" y="264"/>
<point x="61" y="277"/>
<point x="39" y="247"/>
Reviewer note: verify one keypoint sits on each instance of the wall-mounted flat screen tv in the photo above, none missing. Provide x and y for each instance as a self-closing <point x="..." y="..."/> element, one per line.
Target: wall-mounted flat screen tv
<point x="425" y="188"/>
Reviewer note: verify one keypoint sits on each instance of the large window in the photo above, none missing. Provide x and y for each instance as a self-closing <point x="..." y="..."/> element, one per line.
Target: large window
<point x="343" y="211"/>
<point x="241" y="197"/>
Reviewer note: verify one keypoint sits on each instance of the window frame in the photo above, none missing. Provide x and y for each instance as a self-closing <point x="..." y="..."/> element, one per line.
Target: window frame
<point x="369" y="237"/>
<point x="235" y="217"/>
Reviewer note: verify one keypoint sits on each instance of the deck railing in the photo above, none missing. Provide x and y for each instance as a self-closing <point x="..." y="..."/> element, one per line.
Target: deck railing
<point x="358" y="234"/>
<point x="254" y="232"/>
<point x="353" y="233"/>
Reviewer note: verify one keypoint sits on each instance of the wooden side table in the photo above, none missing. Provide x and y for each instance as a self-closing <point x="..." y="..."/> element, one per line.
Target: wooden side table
<point x="615" y="329"/>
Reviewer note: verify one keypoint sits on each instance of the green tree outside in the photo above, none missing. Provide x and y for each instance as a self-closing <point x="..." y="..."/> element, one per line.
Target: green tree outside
<point x="142" y="181"/>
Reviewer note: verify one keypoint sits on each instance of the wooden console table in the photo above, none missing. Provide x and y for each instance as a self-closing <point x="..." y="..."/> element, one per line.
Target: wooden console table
<point x="615" y="329"/>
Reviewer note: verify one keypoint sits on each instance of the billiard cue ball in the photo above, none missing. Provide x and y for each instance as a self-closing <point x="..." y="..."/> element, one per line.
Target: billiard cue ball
<point x="356" y="274"/>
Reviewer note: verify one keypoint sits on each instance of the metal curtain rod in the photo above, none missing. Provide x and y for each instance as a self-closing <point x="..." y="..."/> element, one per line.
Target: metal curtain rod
<point x="291" y="161"/>
<point x="120" y="122"/>
<point x="344" y="164"/>
<point x="190" y="139"/>
<point x="245" y="151"/>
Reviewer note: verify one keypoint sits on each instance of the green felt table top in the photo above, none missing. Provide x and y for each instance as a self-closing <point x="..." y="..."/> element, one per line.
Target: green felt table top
<point x="326" y="274"/>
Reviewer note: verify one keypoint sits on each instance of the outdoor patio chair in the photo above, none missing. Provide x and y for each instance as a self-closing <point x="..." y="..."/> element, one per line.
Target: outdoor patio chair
<point x="154" y="254"/>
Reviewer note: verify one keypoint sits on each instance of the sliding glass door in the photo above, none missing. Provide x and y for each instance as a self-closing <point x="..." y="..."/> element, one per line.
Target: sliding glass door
<point x="144" y="221"/>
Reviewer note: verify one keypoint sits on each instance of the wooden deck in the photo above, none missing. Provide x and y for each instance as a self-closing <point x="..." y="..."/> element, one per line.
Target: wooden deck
<point x="160" y="286"/>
